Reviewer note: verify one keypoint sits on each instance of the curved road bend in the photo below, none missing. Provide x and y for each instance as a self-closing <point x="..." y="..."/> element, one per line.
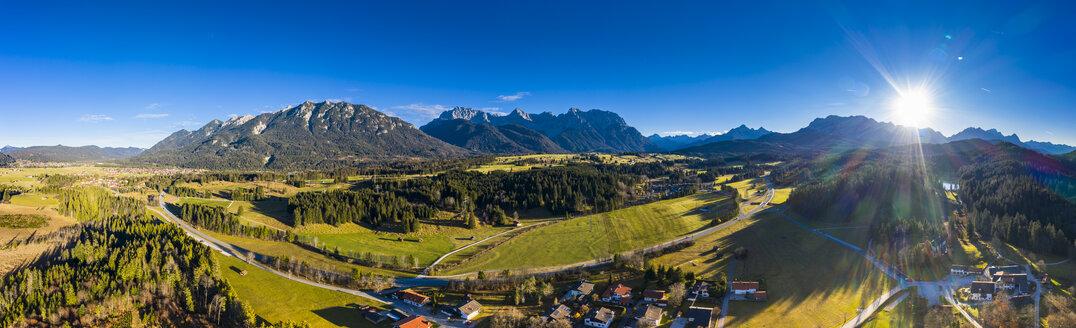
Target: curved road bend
<point x="229" y="250"/>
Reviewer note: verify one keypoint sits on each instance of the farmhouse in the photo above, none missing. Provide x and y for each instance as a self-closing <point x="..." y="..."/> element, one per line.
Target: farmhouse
<point x="415" y="321"/>
<point x="651" y="315"/>
<point x="655" y="296"/>
<point x="581" y="289"/>
<point x="599" y="317"/>
<point x="617" y="294"/>
<point x="759" y="295"/>
<point x="958" y="269"/>
<point x="993" y="272"/>
<point x="744" y="287"/>
<point x="411" y="297"/>
<point x="982" y="290"/>
<point x="1015" y="281"/>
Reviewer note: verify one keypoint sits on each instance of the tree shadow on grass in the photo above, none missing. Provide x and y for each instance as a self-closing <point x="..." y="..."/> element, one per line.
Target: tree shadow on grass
<point x="344" y="316"/>
<point x="808" y="277"/>
<point x="275" y="208"/>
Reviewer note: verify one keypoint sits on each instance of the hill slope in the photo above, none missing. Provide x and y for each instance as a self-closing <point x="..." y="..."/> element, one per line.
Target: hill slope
<point x="308" y="135"/>
<point x="61" y="153"/>
<point x="575" y="131"/>
<point x="486" y="138"/>
<point x="5" y="159"/>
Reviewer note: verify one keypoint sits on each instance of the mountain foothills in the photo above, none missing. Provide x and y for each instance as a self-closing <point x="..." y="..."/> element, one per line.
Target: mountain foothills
<point x="309" y="135"/>
<point x="837" y="133"/>
<point x="61" y="153"/>
<point x="5" y="159"/>
<point x="575" y="131"/>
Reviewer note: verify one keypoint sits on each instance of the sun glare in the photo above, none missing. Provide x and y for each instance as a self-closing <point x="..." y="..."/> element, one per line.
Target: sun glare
<point x="912" y="108"/>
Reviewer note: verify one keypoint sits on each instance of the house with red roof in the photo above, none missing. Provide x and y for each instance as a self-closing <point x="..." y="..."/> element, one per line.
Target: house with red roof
<point x="415" y="321"/>
<point x="411" y="297"/>
<point x="744" y="287"/>
<point x="617" y="294"/>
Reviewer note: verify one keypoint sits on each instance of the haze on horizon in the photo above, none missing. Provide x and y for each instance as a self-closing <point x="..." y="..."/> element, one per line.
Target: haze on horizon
<point x="131" y="74"/>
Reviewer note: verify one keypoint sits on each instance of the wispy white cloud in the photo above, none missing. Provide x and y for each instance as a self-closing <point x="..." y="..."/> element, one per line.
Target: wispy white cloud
<point x="985" y="89"/>
<point x="517" y="96"/>
<point x="188" y="123"/>
<point x="94" y="118"/>
<point x="423" y="111"/>
<point x="154" y="106"/>
<point x="151" y="115"/>
<point x="494" y="110"/>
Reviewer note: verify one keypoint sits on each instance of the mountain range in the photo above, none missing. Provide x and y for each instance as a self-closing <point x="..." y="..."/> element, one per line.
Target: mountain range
<point x="61" y="153"/>
<point x="327" y="134"/>
<point x="677" y="142"/>
<point x="837" y="133"/>
<point x="309" y="135"/>
<point x="575" y="131"/>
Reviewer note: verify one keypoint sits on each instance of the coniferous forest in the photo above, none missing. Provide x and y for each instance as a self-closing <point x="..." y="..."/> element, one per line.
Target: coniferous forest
<point x="120" y="268"/>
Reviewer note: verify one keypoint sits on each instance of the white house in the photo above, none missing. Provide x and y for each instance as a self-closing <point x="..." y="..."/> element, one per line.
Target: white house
<point x="599" y="317"/>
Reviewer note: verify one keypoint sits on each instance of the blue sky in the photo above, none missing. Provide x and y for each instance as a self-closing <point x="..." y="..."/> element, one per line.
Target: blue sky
<point x="129" y="74"/>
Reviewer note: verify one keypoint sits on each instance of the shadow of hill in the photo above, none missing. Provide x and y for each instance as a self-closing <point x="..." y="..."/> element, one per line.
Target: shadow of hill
<point x="809" y="279"/>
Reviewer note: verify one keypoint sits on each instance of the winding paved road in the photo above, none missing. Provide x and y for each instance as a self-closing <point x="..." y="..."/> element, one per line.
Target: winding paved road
<point x="229" y="250"/>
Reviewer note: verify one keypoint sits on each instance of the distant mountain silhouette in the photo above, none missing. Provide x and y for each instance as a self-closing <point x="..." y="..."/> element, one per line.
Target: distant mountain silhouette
<point x="486" y="138"/>
<point x="61" y="153"/>
<point x="575" y="131"/>
<point x="309" y="135"/>
<point x="837" y="133"/>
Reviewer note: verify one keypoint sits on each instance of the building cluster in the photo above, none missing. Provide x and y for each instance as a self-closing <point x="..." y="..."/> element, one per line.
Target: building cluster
<point x="638" y="309"/>
<point x="466" y="309"/>
<point x="993" y="280"/>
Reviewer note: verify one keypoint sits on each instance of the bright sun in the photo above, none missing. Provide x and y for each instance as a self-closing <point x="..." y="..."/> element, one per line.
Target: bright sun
<point x="912" y="108"/>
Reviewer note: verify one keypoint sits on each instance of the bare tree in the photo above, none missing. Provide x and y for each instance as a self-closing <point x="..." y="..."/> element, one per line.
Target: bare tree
<point x="676" y="294"/>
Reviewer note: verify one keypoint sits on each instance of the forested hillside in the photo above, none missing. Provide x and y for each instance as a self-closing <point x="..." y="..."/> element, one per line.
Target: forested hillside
<point x="120" y="269"/>
<point x="62" y="153"/>
<point x="1006" y="201"/>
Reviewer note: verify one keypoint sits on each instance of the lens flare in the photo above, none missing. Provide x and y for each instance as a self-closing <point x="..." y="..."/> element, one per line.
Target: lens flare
<point x="912" y="108"/>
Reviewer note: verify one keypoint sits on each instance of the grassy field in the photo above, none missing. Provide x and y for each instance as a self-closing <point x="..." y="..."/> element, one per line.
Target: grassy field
<point x="35" y="200"/>
<point x="436" y="240"/>
<point x="11" y="258"/>
<point x="811" y="281"/>
<point x="201" y="201"/>
<point x="295" y="252"/>
<point x="595" y="236"/>
<point x="780" y="195"/>
<point x="274" y="298"/>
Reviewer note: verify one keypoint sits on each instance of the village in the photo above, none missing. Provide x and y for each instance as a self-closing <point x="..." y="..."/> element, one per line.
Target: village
<point x="581" y="304"/>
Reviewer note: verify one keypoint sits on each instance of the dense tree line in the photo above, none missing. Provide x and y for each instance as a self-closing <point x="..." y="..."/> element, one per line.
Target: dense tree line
<point x="362" y="207"/>
<point x="189" y="192"/>
<point x="1005" y="201"/>
<point x="118" y="270"/>
<point x="249" y="194"/>
<point x="211" y="217"/>
<point x="6" y="192"/>
<point x="94" y="203"/>
<point x="558" y="189"/>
